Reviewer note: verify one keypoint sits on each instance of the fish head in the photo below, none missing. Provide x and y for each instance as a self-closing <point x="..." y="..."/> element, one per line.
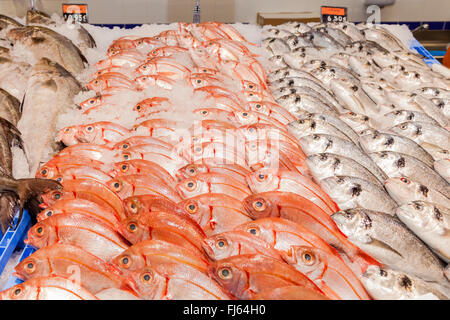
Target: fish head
<point x="121" y="186"/>
<point x="221" y="246"/>
<point x="20" y="292"/>
<point x="67" y="135"/>
<point x="149" y="283"/>
<point x="322" y="162"/>
<point x="144" y="68"/>
<point x="91" y="102"/>
<point x="379" y="282"/>
<point x="191" y="170"/>
<point x="88" y="133"/>
<point x="408" y="129"/>
<point x="301" y="127"/>
<point x="36" y="265"/>
<point x="47" y="171"/>
<point x="234" y="279"/>
<point x="131" y="259"/>
<point x="41" y="234"/>
<point x="133" y="229"/>
<point x="421" y="214"/>
<point x="97" y="84"/>
<point x="132" y="205"/>
<point x="373" y="141"/>
<point x="47" y="213"/>
<point x="196" y="209"/>
<point x="387" y="160"/>
<point x="259" y="106"/>
<point x="191" y="187"/>
<point x="244" y="118"/>
<point x="402" y="189"/>
<point x="354" y="223"/>
<point x="50" y="197"/>
<point x="123" y="168"/>
<point x="263" y="180"/>
<point x="315" y="143"/>
<point x="339" y="186"/>
<point x="306" y="259"/>
<point x="257" y="206"/>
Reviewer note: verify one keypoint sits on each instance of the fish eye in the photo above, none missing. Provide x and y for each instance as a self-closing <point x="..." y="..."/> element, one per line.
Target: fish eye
<point x="126" y="156"/>
<point x="308" y="258"/>
<point x="253" y="230"/>
<point x="340" y="180"/>
<point x="383" y="155"/>
<point x="403" y="126"/>
<point x="261" y="177"/>
<point x="125" y="262"/>
<point x="124" y="168"/>
<point x="258" y="106"/>
<point x="191" y="170"/>
<point x="383" y="273"/>
<point x="44" y="172"/>
<point x="30" y="267"/>
<point x="244" y="114"/>
<point x="132" y="227"/>
<point x="147" y="278"/>
<point x="59" y="179"/>
<point x="199" y="81"/>
<point x="220" y="244"/>
<point x="316" y="137"/>
<point x="259" y="205"/>
<point x="89" y="128"/>
<point x="138" y="107"/>
<point x="205" y="112"/>
<point x="418" y="206"/>
<point x="92" y="101"/>
<point x="117" y="186"/>
<point x="49" y="213"/>
<point x="190" y="185"/>
<point x="404" y="180"/>
<point x="66" y="130"/>
<point x="224" y="273"/>
<point x="39" y="230"/>
<point x="191" y="207"/>
<point x="57" y="196"/>
<point x="17" y="291"/>
<point x="323" y="157"/>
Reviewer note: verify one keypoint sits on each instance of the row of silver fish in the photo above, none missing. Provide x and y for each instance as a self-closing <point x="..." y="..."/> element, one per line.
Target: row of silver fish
<point x="373" y="120"/>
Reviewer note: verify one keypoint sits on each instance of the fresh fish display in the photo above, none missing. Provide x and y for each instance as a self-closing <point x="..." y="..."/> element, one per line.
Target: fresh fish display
<point x="190" y="163"/>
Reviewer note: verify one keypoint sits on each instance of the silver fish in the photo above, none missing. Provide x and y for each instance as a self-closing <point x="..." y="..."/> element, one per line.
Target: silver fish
<point x="396" y="164"/>
<point x="278" y="62"/>
<point x="295" y="41"/>
<point x="362" y="66"/>
<point x="275" y="33"/>
<point x="320" y="143"/>
<point x="299" y="104"/>
<point x="394" y="118"/>
<point x="390" y="242"/>
<point x="352" y="192"/>
<point x="388" y="284"/>
<point x="382" y="141"/>
<point x="432" y="92"/>
<point x="325" y="165"/>
<point x="290" y="72"/>
<point x="305" y="127"/>
<point x="276" y="46"/>
<point x="295" y="27"/>
<point x="323" y="40"/>
<point x="430" y="222"/>
<point x="335" y="121"/>
<point x="422" y="132"/>
<point x="384" y="38"/>
<point x="358" y="122"/>
<point x="404" y="190"/>
<point x="436" y="152"/>
<point x="338" y="35"/>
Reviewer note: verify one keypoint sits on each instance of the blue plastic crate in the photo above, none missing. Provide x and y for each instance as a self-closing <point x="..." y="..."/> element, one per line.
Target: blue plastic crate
<point x="417" y="46"/>
<point x="13" y="240"/>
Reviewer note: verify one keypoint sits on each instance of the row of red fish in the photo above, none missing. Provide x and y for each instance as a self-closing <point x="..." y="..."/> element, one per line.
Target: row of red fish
<point x="228" y="211"/>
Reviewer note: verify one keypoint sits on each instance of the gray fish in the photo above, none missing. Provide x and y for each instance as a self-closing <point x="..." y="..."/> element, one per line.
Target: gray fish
<point x="388" y="284"/>
<point x="442" y="104"/>
<point x="14" y="76"/>
<point x="404" y="190"/>
<point x="443" y="168"/>
<point x="432" y="92"/>
<point x="357" y="121"/>
<point x="350" y="30"/>
<point x="435" y="111"/>
<point x="436" y="152"/>
<point x="294" y="41"/>
<point x="276" y="46"/>
<point x="352" y="192"/>
<point x="49" y="81"/>
<point x="323" y="40"/>
<point x="364" y="46"/>
<point x="396" y="164"/>
<point x="328" y="73"/>
<point x="321" y="143"/>
<point x="396" y="117"/>
<point x="278" y="62"/>
<point x="306" y="127"/>
<point x="430" y="222"/>
<point x="382" y="141"/>
<point x="353" y="97"/>
<point x="422" y="132"/>
<point x="276" y="33"/>
<point x="295" y="27"/>
<point x="44" y="42"/>
<point x="9" y="137"/>
<point x="335" y="121"/>
<point x="362" y="66"/>
<point x="384" y="38"/>
<point x="390" y="242"/>
<point x="299" y="104"/>
<point x="290" y="72"/>
<point x="338" y="35"/>
<point x="325" y="165"/>
<point x="9" y="107"/>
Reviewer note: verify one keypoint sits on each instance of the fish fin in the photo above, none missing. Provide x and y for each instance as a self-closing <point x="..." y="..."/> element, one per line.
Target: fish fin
<point x="8" y="206"/>
<point x="385" y="246"/>
<point x="363" y="260"/>
<point x="30" y="191"/>
<point x="22" y="103"/>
